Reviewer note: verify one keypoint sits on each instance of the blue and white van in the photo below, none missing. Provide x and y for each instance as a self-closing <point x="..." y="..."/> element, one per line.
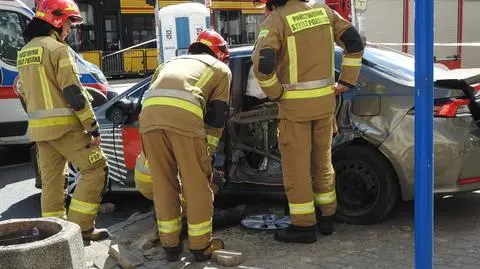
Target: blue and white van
<point x="14" y="17"/>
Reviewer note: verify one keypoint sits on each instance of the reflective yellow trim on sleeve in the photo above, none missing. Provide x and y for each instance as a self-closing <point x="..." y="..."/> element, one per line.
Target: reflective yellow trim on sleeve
<point x="170" y="226"/>
<point x="303" y="94"/>
<point x="175" y="102"/>
<point x="56" y="214"/>
<point x="269" y="82"/>
<point x="85" y="115"/>
<point x="47" y="96"/>
<point x="292" y="56"/>
<point x="200" y="229"/>
<point x="84" y="207"/>
<point x="356" y="62"/>
<point x="301" y="209"/>
<point x="56" y="121"/>
<point x="204" y="78"/>
<point x="212" y="140"/>
<point x="325" y="198"/>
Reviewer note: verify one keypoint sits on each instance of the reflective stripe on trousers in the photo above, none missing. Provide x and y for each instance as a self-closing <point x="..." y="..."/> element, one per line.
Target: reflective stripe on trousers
<point x="84" y="207"/>
<point x="355" y="62"/>
<point x="170" y="226"/>
<point x="325" y="198"/>
<point x="200" y="228"/>
<point x="177" y="98"/>
<point x="301" y="209"/>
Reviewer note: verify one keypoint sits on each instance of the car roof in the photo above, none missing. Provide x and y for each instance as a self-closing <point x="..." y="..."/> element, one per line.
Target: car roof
<point x="394" y="62"/>
<point x="371" y="52"/>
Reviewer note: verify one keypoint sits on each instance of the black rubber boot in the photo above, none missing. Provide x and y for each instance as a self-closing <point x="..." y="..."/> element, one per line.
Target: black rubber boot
<point x="173" y="254"/>
<point x="297" y="234"/>
<point x="325" y="225"/>
<point x="95" y="234"/>
<point x="206" y="253"/>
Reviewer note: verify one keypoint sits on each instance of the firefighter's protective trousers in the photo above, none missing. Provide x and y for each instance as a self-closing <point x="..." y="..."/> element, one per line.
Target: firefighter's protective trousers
<point x="311" y="141"/>
<point x="164" y="149"/>
<point x="143" y="178"/>
<point x="52" y="156"/>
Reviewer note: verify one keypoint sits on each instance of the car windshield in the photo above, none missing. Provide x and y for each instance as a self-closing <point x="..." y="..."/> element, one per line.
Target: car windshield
<point x="394" y="63"/>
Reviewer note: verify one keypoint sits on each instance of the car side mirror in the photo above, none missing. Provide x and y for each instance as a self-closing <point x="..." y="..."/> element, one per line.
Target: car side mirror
<point x="123" y="111"/>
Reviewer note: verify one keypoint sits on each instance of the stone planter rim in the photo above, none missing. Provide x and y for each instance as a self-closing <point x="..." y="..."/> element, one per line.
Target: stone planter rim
<point x="45" y="242"/>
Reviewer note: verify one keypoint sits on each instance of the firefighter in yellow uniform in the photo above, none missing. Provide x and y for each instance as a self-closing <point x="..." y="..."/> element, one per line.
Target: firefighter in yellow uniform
<point x="181" y="121"/>
<point x="293" y="62"/>
<point x="60" y="117"/>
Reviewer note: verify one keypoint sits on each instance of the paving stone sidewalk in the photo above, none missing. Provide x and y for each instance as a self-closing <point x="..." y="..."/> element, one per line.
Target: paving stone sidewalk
<point x="388" y="244"/>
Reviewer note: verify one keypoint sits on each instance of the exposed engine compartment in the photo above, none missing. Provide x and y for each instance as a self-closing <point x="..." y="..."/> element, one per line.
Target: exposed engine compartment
<point x="255" y="153"/>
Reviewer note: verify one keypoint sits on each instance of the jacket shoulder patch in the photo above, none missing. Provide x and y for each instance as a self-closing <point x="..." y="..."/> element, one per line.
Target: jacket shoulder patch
<point x="304" y="20"/>
<point x="30" y="56"/>
<point x="263" y="33"/>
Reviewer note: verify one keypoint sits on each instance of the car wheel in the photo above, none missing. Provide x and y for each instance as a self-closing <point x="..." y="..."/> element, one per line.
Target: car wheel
<point x="366" y="184"/>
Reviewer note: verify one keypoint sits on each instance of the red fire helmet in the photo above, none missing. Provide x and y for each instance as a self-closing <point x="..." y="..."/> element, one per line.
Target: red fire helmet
<point x="215" y="42"/>
<point x="57" y="12"/>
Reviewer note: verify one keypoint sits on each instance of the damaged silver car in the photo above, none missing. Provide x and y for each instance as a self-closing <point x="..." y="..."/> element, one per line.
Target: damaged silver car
<point x="373" y="152"/>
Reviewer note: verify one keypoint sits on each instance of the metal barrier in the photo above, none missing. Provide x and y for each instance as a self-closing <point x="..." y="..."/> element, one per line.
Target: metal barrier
<point x="129" y="62"/>
<point x="133" y="60"/>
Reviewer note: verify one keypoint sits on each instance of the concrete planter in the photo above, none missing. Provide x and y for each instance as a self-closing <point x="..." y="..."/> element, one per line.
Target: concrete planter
<point x="43" y="243"/>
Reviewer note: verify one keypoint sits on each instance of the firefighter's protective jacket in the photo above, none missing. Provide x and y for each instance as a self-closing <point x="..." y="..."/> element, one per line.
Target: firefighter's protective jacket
<point x="49" y="85"/>
<point x="293" y="58"/>
<point x="188" y="95"/>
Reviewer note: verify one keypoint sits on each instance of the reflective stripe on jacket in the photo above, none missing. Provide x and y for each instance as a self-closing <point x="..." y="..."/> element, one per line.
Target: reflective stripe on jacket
<point x="303" y="36"/>
<point x="181" y="95"/>
<point x="46" y="68"/>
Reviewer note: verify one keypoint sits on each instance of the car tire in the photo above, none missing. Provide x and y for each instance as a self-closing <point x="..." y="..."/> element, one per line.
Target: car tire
<point x="366" y="185"/>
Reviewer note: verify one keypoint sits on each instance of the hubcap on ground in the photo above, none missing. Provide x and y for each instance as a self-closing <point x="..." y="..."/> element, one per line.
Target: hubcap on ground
<point x="266" y="222"/>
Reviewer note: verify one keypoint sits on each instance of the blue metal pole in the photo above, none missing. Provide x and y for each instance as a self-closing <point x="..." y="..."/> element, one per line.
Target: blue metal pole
<point x="424" y="134"/>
